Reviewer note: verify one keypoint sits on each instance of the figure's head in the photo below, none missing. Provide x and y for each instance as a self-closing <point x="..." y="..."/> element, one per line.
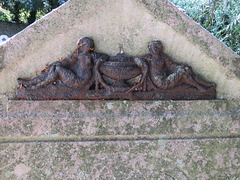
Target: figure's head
<point x="155" y="47"/>
<point x="85" y="44"/>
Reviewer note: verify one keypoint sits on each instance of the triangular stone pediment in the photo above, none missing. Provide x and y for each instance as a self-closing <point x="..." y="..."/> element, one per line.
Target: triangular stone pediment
<point x="128" y="23"/>
<point x="109" y="139"/>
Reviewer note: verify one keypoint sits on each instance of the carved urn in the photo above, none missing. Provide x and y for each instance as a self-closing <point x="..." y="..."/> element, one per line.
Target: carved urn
<point x="120" y="68"/>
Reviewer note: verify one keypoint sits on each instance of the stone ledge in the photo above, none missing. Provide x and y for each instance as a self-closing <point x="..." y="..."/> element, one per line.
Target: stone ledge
<point x="108" y="108"/>
<point x="108" y="138"/>
<point x="77" y="119"/>
<point x="208" y="126"/>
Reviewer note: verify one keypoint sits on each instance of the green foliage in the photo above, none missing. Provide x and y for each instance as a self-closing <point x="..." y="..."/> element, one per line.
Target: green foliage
<point x="26" y="11"/>
<point x="220" y="17"/>
<point x="5" y="15"/>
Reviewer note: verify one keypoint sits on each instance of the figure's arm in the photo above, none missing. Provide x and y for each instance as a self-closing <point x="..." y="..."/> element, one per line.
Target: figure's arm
<point x="142" y="63"/>
<point x="65" y="63"/>
<point x="147" y="57"/>
<point x="174" y="66"/>
<point x="70" y="60"/>
<point x="169" y="64"/>
<point x="99" y="57"/>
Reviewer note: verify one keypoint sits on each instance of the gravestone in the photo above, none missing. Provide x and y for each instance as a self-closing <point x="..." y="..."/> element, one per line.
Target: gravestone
<point x="119" y="139"/>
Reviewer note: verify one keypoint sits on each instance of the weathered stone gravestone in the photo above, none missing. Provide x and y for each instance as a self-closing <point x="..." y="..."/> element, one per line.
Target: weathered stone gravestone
<point x="119" y="139"/>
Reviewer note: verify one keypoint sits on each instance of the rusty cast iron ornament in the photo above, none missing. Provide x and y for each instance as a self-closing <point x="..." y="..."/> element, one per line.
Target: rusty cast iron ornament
<point x="87" y="74"/>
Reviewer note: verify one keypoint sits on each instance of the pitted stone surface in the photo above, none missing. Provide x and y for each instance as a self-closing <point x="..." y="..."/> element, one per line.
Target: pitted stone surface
<point x="120" y="139"/>
<point x="71" y="120"/>
<point x="85" y="108"/>
<point x="159" y="159"/>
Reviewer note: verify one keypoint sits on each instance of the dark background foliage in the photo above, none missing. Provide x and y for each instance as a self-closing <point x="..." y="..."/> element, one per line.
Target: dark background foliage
<point x="26" y="11"/>
<point x="220" y="17"/>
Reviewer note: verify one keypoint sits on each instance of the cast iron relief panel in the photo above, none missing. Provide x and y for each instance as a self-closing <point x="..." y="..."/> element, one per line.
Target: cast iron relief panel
<point x="87" y="74"/>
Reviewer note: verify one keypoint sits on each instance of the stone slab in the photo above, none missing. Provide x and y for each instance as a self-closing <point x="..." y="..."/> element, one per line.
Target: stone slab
<point x="159" y="159"/>
<point x="108" y="108"/>
<point x="120" y="139"/>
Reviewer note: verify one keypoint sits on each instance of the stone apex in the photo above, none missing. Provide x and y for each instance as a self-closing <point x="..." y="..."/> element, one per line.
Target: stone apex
<point x="136" y="23"/>
<point x="163" y="10"/>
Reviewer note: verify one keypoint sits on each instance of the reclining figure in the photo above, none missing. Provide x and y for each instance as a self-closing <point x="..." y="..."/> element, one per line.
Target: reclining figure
<point x="74" y="72"/>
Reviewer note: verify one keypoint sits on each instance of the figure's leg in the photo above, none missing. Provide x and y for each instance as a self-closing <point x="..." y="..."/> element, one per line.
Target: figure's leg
<point x="201" y="81"/>
<point x="181" y="76"/>
<point x="189" y="80"/>
<point x="69" y="78"/>
<point x="171" y="81"/>
<point x="91" y="81"/>
<point x="33" y="81"/>
<point x="97" y="77"/>
<point x="51" y="76"/>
